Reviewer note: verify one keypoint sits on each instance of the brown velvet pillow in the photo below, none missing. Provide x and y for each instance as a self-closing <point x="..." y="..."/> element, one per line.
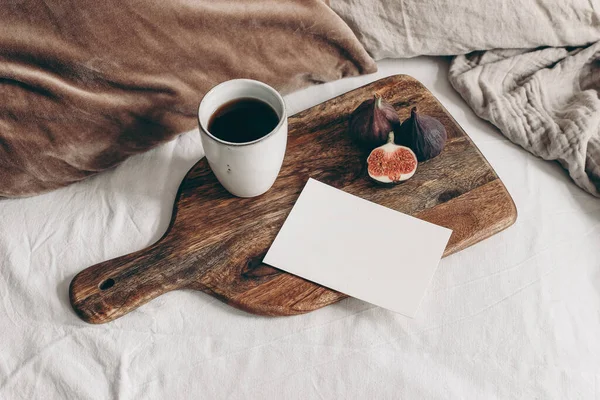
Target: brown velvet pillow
<point x="85" y="84"/>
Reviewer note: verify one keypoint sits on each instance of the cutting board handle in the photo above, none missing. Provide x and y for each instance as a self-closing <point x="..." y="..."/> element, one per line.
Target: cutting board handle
<point x="110" y="289"/>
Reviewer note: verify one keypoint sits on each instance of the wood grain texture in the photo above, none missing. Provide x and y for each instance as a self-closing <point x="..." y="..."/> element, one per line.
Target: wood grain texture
<point x="216" y="242"/>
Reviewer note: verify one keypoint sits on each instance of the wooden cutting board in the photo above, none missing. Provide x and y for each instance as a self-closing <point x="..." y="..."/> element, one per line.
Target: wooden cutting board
<point x="216" y="242"/>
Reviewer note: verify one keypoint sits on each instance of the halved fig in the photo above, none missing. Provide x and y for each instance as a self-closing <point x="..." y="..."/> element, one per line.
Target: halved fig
<point x="391" y="163"/>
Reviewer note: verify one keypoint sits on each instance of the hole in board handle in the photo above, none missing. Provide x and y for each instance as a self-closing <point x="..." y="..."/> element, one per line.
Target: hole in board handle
<point x="107" y="284"/>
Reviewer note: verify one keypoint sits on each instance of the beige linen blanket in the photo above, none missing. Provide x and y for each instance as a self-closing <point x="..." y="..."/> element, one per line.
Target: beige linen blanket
<point x="543" y="99"/>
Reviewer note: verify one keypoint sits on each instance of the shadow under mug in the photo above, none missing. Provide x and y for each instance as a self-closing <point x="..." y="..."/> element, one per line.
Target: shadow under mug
<point x="245" y="169"/>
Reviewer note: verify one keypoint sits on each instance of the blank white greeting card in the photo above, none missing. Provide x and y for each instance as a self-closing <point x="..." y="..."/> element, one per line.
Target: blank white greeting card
<point x="359" y="248"/>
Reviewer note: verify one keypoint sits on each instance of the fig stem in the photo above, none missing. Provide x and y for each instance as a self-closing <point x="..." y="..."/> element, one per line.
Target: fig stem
<point x="378" y="101"/>
<point x="391" y="137"/>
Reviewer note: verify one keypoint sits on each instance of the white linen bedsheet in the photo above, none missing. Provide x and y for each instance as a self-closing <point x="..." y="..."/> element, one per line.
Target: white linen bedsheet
<point x="515" y="316"/>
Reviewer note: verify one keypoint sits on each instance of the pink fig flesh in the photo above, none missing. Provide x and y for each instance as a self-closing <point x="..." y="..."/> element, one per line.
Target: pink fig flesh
<point x="391" y="163"/>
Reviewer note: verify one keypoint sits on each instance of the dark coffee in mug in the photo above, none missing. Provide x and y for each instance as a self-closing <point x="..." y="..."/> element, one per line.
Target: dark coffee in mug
<point x="243" y="120"/>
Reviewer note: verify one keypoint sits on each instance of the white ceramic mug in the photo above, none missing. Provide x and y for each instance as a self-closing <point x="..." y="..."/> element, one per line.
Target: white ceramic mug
<point x="244" y="169"/>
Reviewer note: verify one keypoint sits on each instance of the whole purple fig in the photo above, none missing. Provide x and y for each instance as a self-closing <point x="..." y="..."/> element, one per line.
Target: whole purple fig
<point x="372" y="121"/>
<point x="425" y="135"/>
